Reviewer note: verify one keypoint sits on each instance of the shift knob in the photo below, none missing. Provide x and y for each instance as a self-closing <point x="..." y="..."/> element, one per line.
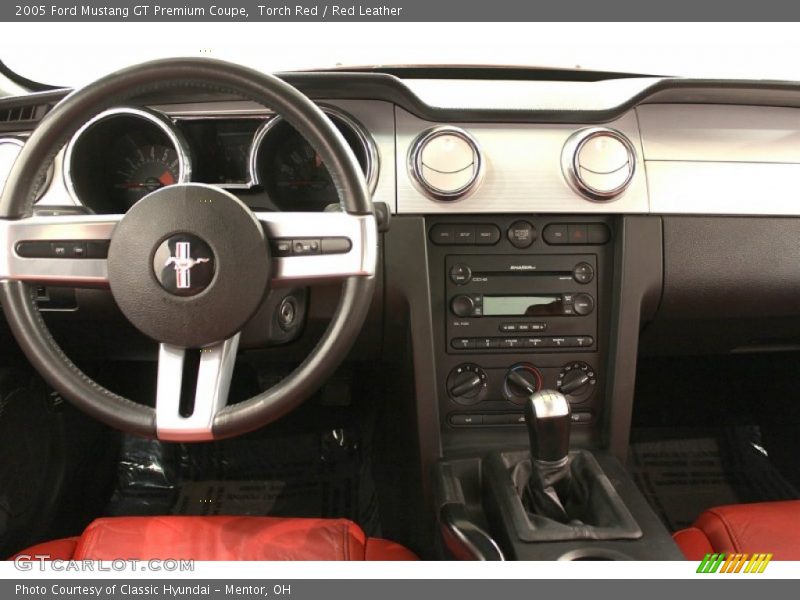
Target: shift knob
<point x="547" y="415"/>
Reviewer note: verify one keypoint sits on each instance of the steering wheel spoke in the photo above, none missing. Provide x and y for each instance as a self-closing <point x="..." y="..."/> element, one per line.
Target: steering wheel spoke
<point x="65" y="250"/>
<point x="214" y="372"/>
<point x="309" y="247"/>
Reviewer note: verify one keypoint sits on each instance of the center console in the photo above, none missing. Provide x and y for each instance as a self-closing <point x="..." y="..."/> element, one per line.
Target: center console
<point x="522" y="308"/>
<point x="519" y="303"/>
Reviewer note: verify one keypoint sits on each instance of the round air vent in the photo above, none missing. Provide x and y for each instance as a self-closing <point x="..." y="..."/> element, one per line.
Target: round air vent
<point x="445" y="163"/>
<point x="599" y="163"/>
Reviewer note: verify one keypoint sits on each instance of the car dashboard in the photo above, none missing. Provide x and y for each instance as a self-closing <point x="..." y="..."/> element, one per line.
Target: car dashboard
<point x="543" y="234"/>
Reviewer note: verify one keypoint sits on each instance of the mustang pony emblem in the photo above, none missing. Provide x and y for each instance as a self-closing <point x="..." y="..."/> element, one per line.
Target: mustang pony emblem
<point x="183" y="262"/>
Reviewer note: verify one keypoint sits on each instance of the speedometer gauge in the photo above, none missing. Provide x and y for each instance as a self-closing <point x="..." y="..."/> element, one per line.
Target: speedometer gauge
<point x="298" y="172"/>
<point x="292" y="172"/>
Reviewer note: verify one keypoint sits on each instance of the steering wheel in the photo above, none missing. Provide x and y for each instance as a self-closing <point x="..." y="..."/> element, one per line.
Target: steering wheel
<point x="175" y="229"/>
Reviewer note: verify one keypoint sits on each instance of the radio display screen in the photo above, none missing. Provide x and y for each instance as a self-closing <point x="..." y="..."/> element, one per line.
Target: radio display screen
<point x="522" y="306"/>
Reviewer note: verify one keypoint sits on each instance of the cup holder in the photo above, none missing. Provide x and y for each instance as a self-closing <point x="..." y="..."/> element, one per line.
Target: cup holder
<point x="594" y="554"/>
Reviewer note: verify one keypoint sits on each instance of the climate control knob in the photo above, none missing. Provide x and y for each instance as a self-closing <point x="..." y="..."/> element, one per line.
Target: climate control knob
<point x="576" y="381"/>
<point x="466" y="383"/>
<point x="522" y="380"/>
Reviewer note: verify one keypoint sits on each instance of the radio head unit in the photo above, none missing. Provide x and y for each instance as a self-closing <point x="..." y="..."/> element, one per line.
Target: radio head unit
<point x="528" y="303"/>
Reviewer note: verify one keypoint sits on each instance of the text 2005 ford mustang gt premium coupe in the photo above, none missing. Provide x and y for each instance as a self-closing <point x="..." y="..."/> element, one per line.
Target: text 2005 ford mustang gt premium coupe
<point x="399" y="313"/>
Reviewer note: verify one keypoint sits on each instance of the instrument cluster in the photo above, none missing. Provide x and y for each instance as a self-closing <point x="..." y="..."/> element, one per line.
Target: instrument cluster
<point x="123" y="154"/>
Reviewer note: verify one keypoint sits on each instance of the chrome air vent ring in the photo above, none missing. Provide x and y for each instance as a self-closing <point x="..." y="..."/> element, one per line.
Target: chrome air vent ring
<point x="445" y="163"/>
<point x="598" y="163"/>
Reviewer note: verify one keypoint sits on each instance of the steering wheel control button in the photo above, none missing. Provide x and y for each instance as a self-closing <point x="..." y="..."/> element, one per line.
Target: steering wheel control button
<point x="583" y="273"/>
<point x="445" y="163"/>
<point x="599" y="163"/>
<point x="184" y="264"/>
<point x="281" y="247"/>
<point x="192" y="295"/>
<point x="583" y="304"/>
<point x="460" y="274"/>
<point x="34" y="249"/>
<point x="521" y="234"/>
<point x="303" y="247"/>
<point x="335" y="245"/>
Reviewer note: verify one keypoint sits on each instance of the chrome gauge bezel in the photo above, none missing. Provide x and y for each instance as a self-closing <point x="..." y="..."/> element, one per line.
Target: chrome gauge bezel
<point x="571" y="168"/>
<point x="160" y="120"/>
<point x="366" y="142"/>
<point x="19" y="142"/>
<point x="415" y="164"/>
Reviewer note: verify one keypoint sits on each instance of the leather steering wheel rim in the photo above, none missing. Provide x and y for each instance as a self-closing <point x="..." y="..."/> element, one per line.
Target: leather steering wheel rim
<point x="57" y="128"/>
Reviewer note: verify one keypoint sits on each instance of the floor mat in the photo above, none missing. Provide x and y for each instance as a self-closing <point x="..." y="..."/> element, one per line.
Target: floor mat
<point x="302" y="475"/>
<point x="682" y="473"/>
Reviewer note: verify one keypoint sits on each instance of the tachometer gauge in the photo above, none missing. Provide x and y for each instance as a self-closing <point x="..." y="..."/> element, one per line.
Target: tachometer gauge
<point x="122" y="155"/>
<point x="138" y="169"/>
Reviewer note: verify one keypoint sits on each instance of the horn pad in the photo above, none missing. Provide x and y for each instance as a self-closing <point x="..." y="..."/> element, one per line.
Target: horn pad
<point x="189" y="265"/>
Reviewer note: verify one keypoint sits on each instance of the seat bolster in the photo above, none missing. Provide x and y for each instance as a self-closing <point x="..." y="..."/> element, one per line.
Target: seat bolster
<point x="757" y="528"/>
<point x="693" y="543"/>
<point x="63" y="549"/>
<point x="222" y="538"/>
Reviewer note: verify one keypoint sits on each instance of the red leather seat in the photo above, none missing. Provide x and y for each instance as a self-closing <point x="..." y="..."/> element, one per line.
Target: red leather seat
<point x="221" y="538"/>
<point x="764" y="527"/>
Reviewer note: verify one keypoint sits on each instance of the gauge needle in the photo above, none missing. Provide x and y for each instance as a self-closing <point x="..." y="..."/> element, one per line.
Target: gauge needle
<point x="166" y="178"/>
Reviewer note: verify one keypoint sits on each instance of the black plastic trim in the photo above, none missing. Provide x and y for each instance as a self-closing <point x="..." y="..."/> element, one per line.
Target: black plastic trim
<point x="389" y="88"/>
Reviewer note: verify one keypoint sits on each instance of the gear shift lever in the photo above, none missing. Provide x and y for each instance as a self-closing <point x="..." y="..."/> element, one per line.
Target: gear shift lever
<point x="548" y="417"/>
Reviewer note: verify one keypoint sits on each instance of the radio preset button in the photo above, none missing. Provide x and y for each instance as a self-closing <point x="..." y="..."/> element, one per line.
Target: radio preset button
<point x="487" y="343"/>
<point x="583" y="273"/>
<point x="521" y="234"/>
<point x="463" y="343"/>
<point x="460" y="274"/>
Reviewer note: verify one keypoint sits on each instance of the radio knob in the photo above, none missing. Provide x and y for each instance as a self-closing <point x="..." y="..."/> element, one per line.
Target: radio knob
<point x="462" y="306"/>
<point x="521" y="382"/>
<point x="583" y="304"/>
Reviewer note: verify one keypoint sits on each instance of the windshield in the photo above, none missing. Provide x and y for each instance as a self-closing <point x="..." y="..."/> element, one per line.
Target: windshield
<point x="75" y="54"/>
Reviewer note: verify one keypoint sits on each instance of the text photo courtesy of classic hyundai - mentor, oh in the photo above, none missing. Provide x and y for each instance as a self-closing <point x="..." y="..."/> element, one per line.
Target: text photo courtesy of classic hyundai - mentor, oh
<point x="399" y="313"/>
